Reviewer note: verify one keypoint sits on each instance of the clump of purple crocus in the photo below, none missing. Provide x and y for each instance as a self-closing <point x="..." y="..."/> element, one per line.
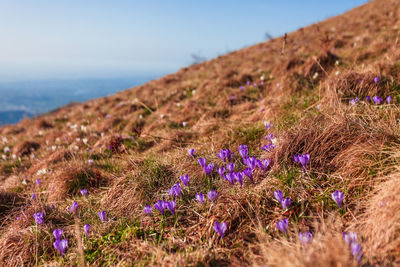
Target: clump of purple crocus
<point x="225" y="154"/>
<point x="200" y="197"/>
<point x="302" y="159"/>
<point x="338" y="197"/>
<point x="73" y="207"/>
<point x="61" y="246"/>
<point x="38" y="216"/>
<point x="282" y="225"/>
<point x="220" y="228"/>
<point x="185" y="179"/>
<point x="84" y="192"/>
<point x="191" y="152"/>
<point x="86" y="229"/>
<point x="243" y="151"/>
<point x="102" y="216"/>
<point x="212" y="195"/>
<point x="377" y="99"/>
<point x="305" y="238"/>
<point x="147" y="210"/>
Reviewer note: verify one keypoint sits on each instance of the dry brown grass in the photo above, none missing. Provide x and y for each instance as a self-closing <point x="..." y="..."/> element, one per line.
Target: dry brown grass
<point x="352" y="149"/>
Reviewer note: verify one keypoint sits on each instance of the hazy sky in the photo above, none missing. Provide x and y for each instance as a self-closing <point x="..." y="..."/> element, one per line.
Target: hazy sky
<point x="99" y="38"/>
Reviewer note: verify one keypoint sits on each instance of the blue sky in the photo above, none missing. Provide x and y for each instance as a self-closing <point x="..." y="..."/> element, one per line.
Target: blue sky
<point x="44" y="39"/>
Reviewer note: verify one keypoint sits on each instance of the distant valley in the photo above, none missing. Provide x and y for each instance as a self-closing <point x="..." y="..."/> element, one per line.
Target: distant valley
<point x="29" y="98"/>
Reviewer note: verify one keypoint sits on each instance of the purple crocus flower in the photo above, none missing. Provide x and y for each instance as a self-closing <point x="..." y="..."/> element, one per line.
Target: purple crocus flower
<point x="349" y="237"/>
<point x="38" y="182"/>
<point x="377" y="99"/>
<point x="191" y="152"/>
<point x="102" y="216"/>
<point x="84" y="192"/>
<point x="305" y="238"/>
<point x="220" y="228"/>
<point x="389" y="99"/>
<point x="376" y="79"/>
<point x="302" y="159"/>
<point x="338" y="197"/>
<point x="241" y="88"/>
<point x="208" y="169"/>
<point x="73" y="207"/>
<point x="90" y="161"/>
<point x="171" y="206"/>
<point x="86" y="229"/>
<point x="175" y="190"/>
<point x="282" y="225"/>
<point x="285" y="203"/>
<point x="239" y="177"/>
<point x="353" y="101"/>
<point x="38" y="218"/>
<point x="268" y="125"/>
<point x="185" y="179"/>
<point x="357" y="251"/>
<point x="61" y="246"/>
<point x="200" y="197"/>
<point x="225" y="154"/>
<point x="57" y="233"/>
<point x="264" y="164"/>
<point x="230" y="167"/>
<point x="243" y="151"/>
<point x="221" y="171"/>
<point x="248" y="172"/>
<point x="160" y="205"/>
<point x="202" y="162"/>
<point x="250" y="162"/>
<point x="278" y="195"/>
<point x="255" y="84"/>
<point x="268" y="147"/>
<point x="248" y="83"/>
<point x="230" y="177"/>
<point x="33" y="197"/>
<point x="147" y="210"/>
<point x="212" y="195"/>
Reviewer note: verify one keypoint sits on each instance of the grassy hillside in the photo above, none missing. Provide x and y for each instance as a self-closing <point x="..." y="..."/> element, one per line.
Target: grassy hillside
<point x="315" y="91"/>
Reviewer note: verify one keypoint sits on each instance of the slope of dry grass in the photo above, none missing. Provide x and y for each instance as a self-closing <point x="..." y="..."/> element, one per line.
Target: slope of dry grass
<point x="128" y="149"/>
